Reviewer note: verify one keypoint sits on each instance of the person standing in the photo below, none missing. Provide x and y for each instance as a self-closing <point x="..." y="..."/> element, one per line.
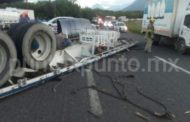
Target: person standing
<point x="149" y="36"/>
<point x="24" y="18"/>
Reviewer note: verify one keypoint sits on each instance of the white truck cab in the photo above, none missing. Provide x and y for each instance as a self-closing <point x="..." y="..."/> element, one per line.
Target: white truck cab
<point x="185" y="30"/>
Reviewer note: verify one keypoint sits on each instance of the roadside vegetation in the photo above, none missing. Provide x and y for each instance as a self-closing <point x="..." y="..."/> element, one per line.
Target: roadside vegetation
<point x="134" y="26"/>
<point x="47" y="10"/>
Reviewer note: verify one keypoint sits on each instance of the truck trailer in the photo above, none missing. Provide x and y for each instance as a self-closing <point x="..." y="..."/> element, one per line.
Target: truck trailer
<point x="172" y="20"/>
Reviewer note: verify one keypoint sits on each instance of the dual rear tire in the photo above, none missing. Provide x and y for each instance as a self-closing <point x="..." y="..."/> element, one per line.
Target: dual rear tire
<point x="31" y="44"/>
<point x="8" y="58"/>
<point x="36" y="45"/>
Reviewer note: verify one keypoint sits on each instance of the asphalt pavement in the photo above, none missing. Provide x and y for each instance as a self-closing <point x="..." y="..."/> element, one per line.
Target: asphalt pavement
<point x="163" y="75"/>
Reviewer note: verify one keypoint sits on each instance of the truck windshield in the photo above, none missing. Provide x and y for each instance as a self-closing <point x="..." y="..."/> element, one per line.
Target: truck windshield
<point x="187" y="21"/>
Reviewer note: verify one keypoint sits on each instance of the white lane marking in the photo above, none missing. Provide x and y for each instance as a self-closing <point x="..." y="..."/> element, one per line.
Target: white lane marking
<point x="95" y="106"/>
<point x="173" y="65"/>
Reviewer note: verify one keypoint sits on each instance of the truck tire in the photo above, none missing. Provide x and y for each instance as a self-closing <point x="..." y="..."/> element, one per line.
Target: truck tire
<point x="8" y="58"/>
<point x="41" y="46"/>
<point x="36" y="45"/>
<point x="16" y="33"/>
<point x="181" y="46"/>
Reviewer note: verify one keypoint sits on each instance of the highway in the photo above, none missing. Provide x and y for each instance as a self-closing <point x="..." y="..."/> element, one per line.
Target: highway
<point x="163" y="75"/>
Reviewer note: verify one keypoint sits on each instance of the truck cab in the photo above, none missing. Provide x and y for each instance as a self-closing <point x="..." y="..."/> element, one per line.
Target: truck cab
<point x="183" y="41"/>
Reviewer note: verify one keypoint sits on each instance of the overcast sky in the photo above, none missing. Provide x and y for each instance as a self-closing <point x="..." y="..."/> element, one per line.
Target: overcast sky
<point x="103" y="3"/>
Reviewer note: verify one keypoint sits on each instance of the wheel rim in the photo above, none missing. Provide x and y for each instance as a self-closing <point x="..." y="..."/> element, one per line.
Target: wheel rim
<point x="3" y="58"/>
<point x="40" y="46"/>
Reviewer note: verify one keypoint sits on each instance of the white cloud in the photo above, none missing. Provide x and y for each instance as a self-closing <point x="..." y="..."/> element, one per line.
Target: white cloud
<point x="104" y="3"/>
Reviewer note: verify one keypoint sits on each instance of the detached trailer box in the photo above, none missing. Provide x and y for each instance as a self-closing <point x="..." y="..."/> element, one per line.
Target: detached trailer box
<point x="10" y="16"/>
<point x="172" y="19"/>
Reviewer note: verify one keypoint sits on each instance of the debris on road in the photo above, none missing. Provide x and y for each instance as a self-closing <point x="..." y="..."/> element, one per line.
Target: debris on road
<point x="142" y="116"/>
<point x="123" y="97"/>
<point x="187" y="112"/>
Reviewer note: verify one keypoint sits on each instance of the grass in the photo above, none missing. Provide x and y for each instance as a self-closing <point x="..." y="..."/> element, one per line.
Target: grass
<point x="134" y="26"/>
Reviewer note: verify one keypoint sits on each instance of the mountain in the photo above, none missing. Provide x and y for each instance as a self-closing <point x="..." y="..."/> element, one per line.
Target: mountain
<point x="137" y="5"/>
<point x="117" y="7"/>
<point x="97" y="6"/>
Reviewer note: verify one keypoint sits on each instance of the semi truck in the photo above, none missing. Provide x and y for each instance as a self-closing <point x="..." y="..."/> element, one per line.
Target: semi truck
<point x="172" y="21"/>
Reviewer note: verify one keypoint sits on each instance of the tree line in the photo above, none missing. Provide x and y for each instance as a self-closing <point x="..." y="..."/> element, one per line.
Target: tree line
<point x="49" y="9"/>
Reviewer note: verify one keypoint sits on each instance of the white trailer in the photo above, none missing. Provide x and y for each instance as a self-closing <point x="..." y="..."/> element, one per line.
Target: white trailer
<point x="172" y="19"/>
